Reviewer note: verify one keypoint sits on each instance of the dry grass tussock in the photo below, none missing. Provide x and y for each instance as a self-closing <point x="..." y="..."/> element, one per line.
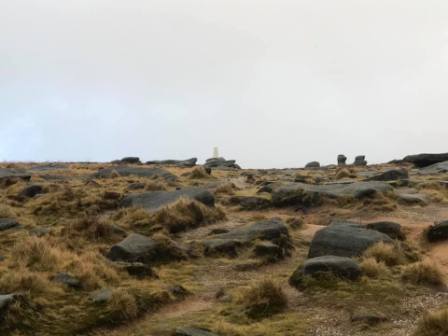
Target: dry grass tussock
<point x="263" y="299"/>
<point x="6" y="211"/>
<point x="389" y="254"/>
<point x="182" y="215"/>
<point x="433" y="323"/>
<point x="198" y="173"/>
<point x="373" y="268"/>
<point x="425" y="272"/>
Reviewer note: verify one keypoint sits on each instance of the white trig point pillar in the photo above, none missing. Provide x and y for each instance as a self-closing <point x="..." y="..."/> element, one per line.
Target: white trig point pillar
<point x="215" y="152"/>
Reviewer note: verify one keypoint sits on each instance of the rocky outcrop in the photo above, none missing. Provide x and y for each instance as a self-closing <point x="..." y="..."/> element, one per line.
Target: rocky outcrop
<point x="221" y="163"/>
<point x="310" y="194"/>
<point x="135" y="171"/>
<point x="424" y="160"/>
<point x="272" y="230"/>
<point x="342" y="160"/>
<point x="360" y="160"/>
<point x="128" y="160"/>
<point x="8" y="223"/>
<point x="178" y="163"/>
<point x="31" y="191"/>
<point x="345" y="239"/>
<point x="437" y="168"/>
<point x="250" y="202"/>
<point x="154" y="200"/>
<point x="340" y="267"/>
<point x="312" y="164"/>
<point x="11" y="176"/>
<point x="390" y="175"/>
<point x="139" y="248"/>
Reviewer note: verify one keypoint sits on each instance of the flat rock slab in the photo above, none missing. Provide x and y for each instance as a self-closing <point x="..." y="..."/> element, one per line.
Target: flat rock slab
<point x="390" y="175"/>
<point x="189" y="331"/>
<point x="139" y="248"/>
<point x="250" y="202"/>
<point x="273" y="230"/>
<point x="136" y="171"/>
<point x="10" y="176"/>
<point x="345" y="239"/>
<point x="311" y="194"/>
<point x="8" y="223"/>
<point x="178" y="163"/>
<point x="438" y="168"/>
<point x="155" y="200"/>
<point x="424" y="160"/>
<point x="392" y="229"/>
<point x="341" y="267"/>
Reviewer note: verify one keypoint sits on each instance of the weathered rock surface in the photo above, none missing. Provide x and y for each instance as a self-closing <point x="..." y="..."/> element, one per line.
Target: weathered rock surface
<point x="312" y="164"/>
<point x="8" y="223"/>
<point x="138" y="248"/>
<point x="189" y="331"/>
<point x="390" y="175"/>
<point x="437" y="168"/>
<point x="341" y="267"/>
<point x="424" y="160"/>
<point x="154" y="200"/>
<point x="272" y="230"/>
<point x="310" y="194"/>
<point x="136" y="171"/>
<point x="101" y="295"/>
<point x="392" y="229"/>
<point x="128" y="160"/>
<point x="411" y="199"/>
<point x="178" y="163"/>
<point x="221" y="163"/>
<point x="344" y="239"/>
<point x="68" y="280"/>
<point x="250" y="202"/>
<point x="438" y="232"/>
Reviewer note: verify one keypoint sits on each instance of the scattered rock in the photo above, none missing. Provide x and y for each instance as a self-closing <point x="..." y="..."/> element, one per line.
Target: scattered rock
<point x="136" y="171"/>
<point x="390" y="175"/>
<point x="360" y="160"/>
<point x="40" y="231"/>
<point x="138" y="248"/>
<point x="341" y="267"/>
<point x="424" y="160"/>
<point x="140" y="270"/>
<point x="178" y="291"/>
<point x="217" y="231"/>
<point x="273" y="230"/>
<point x="309" y="194"/>
<point x="111" y="195"/>
<point x="221" y="163"/>
<point x="344" y="239"/>
<point x="250" y="202"/>
<point x="189" y="331"/>
<point x="31" y="191"/>
<point x="438" y="232"/>
<point x="393" y="230"/>
<point x="8" y="223"/>
<point x="268" y="250"/>
<point x="437" y="168"/>
<point x="312" y="164"/>
<point x="6" y="300"/>
<point x="101" y="295"/>
<point x="68" y="280"/>
<point x="178" y="163"/>
<point x="155" y="200"/>
<point x="342" y="159"/>
<point x="368" y="317"/>
<point x="411" y="199"/>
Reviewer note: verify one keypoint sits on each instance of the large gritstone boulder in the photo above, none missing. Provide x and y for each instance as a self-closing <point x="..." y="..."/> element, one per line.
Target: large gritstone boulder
<point x="437" y="168"/>
<point x="392" y="229"/>
<point x="311" y="194"/>
<point x="135" y="171"/>
<point x="424" y="160"/>
<point x="438" y="232"/>
<point x="340" y="267"/>
<point x="138" y="248"/>
<point x="345" y="239"/>
<point x="178" y="163"/>
<point x="128" y="160"/>
<point x="360" y="160"/>
<point x="155" y="200"/>
<point x="312" y="165"/>
<point x="342" y="160"/>
<point x="390" y="175"/>
<point x="272" y="230"/>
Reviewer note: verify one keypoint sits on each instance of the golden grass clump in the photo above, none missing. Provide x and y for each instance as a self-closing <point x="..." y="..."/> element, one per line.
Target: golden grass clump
<point x="124" y="303"/>
<point x="373" y="268"/>
<point x="433" y="323"/>
<point x="6" y="211"/>
<point x="425" y="272"/>
<point x="263" y="299"/>
<point x="226" y="189"/>
<point x="89" y="227"/>
<point x="155" y="186"/>
<point x="199" y="173"/>
<point x="389" y="254"/>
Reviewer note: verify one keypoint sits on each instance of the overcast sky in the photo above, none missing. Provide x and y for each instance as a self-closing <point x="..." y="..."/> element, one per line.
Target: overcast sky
<point x="271" y="83"/>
